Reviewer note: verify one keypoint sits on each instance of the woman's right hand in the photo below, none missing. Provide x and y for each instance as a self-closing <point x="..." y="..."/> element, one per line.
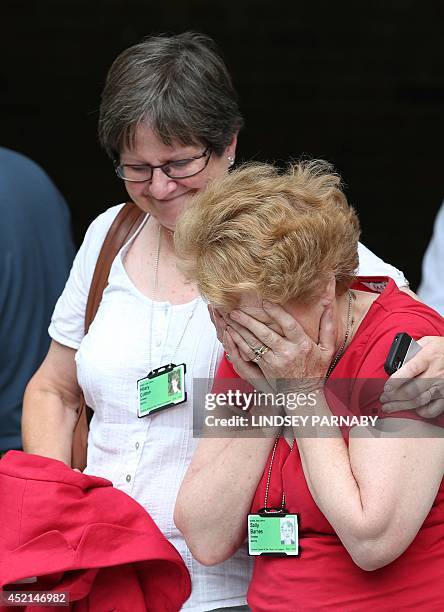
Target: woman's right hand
<point x="418" y="384"/>
<point x="218" y="322"/>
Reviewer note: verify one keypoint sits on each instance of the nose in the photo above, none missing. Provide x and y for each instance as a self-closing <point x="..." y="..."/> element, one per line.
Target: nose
<point x="161" y="185"/>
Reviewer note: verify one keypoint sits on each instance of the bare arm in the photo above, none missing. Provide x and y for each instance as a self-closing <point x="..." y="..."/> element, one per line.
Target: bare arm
<point x="50" y="405"/>
<point x="216" y="495"/>
<point x="219" y="486"/>
<point x="377" y="493"/>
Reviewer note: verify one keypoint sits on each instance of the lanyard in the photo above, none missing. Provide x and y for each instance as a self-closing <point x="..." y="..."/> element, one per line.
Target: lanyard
<point x="153" y="299"/>
<point x="267" y="486"/>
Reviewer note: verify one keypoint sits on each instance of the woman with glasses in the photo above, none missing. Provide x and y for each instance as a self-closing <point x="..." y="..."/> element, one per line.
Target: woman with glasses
<point x="169" y="120"/>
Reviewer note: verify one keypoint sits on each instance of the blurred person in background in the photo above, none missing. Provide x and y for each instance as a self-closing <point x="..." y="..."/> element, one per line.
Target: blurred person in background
<point x="431" y="289"/>
<point x="36" y="253"/>
<point x="418" y="384"/>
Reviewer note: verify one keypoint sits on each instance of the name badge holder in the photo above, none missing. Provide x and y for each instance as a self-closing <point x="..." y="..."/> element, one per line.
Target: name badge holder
<point x="273" y="531"/>
<point x="165" y="386"/>
<point x="160" y="389"/>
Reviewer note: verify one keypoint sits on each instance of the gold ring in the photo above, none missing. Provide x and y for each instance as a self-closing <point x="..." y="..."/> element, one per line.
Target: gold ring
<point x="261" y="350"/>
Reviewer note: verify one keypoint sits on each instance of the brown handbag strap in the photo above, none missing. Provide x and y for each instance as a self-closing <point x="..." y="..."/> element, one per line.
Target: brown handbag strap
<point x="122" y="228"/>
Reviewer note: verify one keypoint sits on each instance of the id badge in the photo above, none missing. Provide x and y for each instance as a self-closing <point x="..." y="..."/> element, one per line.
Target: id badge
<point x="273" y="531"/>
<point x="162" y="388"/>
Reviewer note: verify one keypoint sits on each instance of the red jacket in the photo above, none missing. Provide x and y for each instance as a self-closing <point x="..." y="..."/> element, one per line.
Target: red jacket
<point x="54" y="520"/>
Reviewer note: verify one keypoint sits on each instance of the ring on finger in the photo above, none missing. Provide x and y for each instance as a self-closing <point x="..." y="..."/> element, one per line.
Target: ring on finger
<point x="261" y="350"/>
<point x="257" y="358"/>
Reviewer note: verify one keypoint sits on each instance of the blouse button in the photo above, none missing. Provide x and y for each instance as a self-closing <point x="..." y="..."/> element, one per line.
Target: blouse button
<point x="128" y="478"/>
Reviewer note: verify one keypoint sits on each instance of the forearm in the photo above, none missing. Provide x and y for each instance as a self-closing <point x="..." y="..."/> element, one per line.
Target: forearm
<point x="216" y="495"/>
<point x="48" y="422"/>
<point x="326" y="463"/>
<point x="377" y="492"/>
<point x="361" y="510"/>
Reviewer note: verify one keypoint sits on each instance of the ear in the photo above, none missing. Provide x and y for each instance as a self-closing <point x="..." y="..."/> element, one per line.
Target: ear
<point x="329" y="294"/>
<point x="231" y="149"/>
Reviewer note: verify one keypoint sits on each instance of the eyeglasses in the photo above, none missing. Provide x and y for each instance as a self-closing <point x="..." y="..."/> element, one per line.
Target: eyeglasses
<point x="177" y="169"/>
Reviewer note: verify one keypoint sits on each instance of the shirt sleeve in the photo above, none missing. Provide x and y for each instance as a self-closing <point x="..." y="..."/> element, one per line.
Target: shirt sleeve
<point x="372" y="265"/>
<point x="431" y="289"/>
<point x="67" y="322"/>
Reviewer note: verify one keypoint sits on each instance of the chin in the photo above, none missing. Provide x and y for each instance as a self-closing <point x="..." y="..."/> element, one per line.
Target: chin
<point x="167" y="214"/>
<point x="168" y="221"/>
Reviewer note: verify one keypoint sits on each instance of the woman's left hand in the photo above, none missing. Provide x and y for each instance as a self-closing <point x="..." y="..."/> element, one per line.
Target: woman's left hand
<point x="419" y="383"/>
<point x="291" y="359"/>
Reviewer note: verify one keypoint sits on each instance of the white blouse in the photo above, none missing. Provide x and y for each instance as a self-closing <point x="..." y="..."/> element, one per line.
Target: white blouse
<point x="148" y="457"/>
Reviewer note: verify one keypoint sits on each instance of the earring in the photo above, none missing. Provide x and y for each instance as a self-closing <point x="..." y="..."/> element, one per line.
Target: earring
<point x="231" y="160"/>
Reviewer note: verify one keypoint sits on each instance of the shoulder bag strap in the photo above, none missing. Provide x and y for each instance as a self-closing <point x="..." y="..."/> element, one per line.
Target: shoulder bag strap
<point x="123" y="227"/>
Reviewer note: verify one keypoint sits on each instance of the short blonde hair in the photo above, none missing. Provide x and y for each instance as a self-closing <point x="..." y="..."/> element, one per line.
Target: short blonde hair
<point x="281" y="235"/>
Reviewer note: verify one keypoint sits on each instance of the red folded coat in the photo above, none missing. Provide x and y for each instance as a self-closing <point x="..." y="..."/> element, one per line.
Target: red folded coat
<point x="77" y="533"/>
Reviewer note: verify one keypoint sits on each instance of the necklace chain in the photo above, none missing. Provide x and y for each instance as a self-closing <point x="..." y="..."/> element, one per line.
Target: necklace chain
<point x="153" y="299"/>
<point x="154" y="294"/>
<point x="347" y="334"/>
<point x="332" y="366"/>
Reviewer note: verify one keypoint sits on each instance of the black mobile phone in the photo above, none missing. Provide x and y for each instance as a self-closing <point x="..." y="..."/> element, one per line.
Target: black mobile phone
<point x="402" y="349"/>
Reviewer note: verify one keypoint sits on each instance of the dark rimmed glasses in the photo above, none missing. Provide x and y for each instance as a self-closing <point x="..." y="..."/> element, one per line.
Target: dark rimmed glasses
<point x="177" y="169"/>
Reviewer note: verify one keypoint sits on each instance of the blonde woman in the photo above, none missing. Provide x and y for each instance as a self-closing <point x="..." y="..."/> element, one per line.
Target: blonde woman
<point x="276" y="255"/>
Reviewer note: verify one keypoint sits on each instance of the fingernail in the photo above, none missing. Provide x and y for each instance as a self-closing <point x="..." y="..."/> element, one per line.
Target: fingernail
<point x="266" y="304"/>
<point x="387" y="388"/>
<point x="234" y="314"/>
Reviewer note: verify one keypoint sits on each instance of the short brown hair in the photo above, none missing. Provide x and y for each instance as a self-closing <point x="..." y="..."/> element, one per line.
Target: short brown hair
<point x="279" y="234"/>
<point x="178" y="85"/>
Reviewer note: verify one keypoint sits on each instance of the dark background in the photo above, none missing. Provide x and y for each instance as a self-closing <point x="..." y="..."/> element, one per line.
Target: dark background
<point x="358" y="83"/>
